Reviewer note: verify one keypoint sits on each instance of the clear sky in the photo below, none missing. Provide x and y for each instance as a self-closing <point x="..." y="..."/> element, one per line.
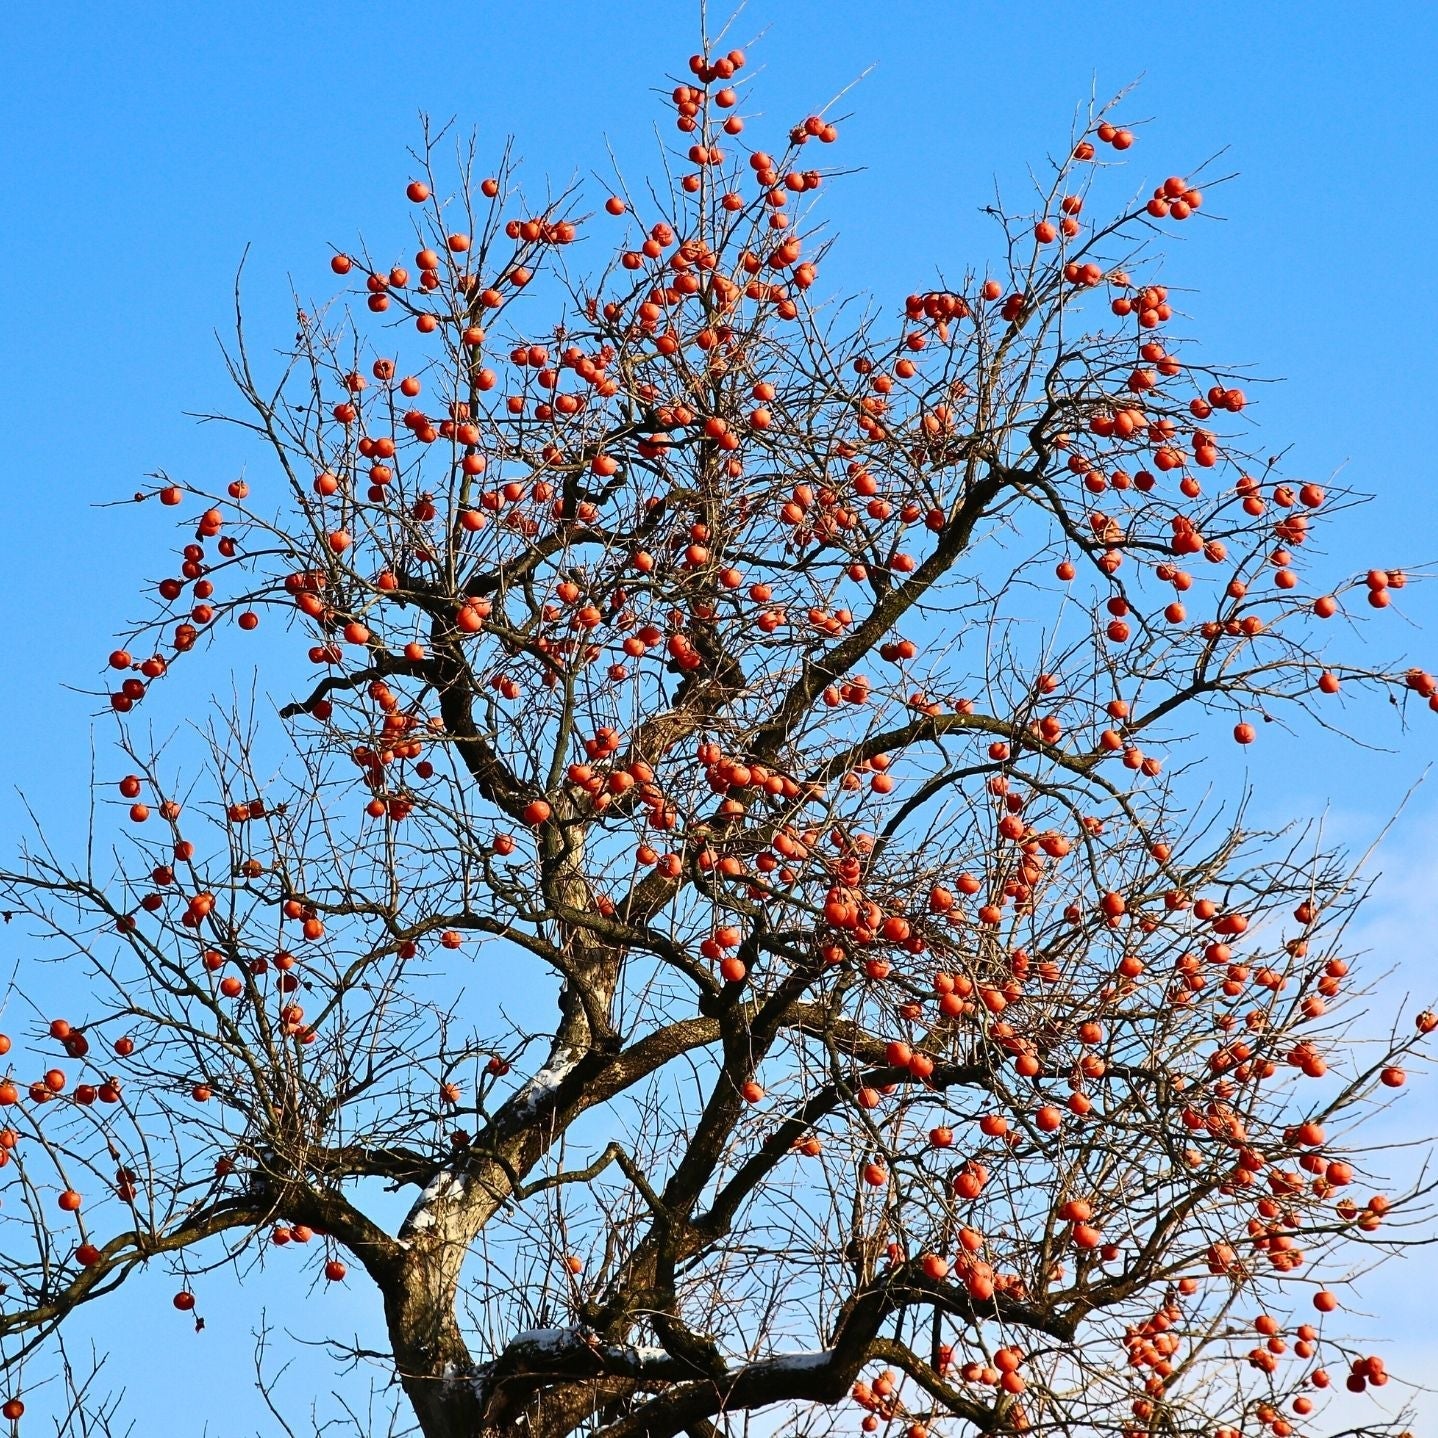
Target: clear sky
<point x="148" y="144"/>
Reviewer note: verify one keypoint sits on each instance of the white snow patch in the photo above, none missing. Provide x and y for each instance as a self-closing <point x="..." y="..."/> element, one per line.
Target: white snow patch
<point x="546" y="1340"/>
<point x="645" y="1355"/>
<point x="538" y="1342"/>
<point x="559" y="1067"/>
<point x="445" y="1186"/>
<point x="793" y="1362"/>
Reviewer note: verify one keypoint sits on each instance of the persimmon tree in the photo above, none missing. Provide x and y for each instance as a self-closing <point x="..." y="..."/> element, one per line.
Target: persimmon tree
<point x="802" y="702"/>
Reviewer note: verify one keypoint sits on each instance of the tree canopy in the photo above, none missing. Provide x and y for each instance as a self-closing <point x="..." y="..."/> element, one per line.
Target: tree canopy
<point x="804" y="695"/>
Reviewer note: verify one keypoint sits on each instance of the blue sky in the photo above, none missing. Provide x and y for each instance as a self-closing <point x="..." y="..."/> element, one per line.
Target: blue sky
<point x="149" y="144"/>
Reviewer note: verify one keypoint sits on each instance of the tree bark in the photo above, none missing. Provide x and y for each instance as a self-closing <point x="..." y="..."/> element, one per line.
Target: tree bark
<point x="432" y="1359"/>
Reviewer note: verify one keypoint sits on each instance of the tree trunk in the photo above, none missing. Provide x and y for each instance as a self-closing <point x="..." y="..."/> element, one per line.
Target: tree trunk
<point x="431" y="1357"/>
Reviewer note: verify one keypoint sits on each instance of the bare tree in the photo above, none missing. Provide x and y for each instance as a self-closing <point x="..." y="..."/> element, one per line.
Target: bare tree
<point x="808" y="702"/>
